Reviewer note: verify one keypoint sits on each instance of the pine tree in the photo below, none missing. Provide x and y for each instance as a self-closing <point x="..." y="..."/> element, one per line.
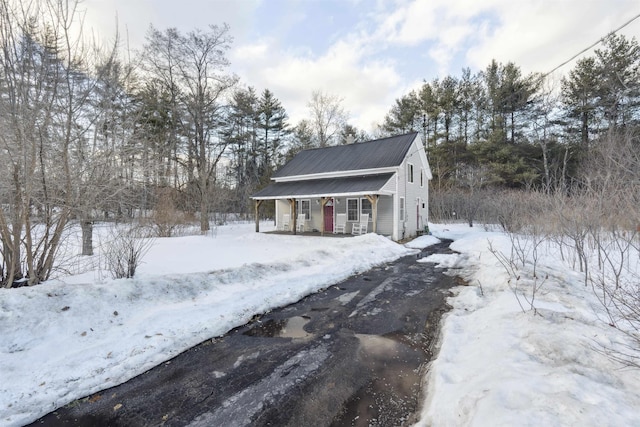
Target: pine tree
<point x="619" y="74"/>
<point x="272" y="129"/>
<point x="580" y="97"/>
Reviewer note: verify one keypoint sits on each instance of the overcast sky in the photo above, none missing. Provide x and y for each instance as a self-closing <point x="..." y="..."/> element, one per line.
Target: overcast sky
<point x="370" y="52"/>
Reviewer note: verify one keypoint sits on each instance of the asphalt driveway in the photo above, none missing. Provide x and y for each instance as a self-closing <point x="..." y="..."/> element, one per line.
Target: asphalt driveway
<point x="350" y="355"/>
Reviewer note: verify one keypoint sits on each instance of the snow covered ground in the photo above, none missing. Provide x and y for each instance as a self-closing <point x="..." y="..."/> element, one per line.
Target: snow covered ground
<point x="500" y="366"/>
<point x="497" y="365"/>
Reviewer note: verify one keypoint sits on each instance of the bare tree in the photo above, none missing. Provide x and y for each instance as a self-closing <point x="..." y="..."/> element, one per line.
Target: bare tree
<point x="43" y="94"/>
<point x="191" y="67"/>
<point x="107" y="159"/>
<point x="614" y="189"/>
<point x="124" y="250"/>
<point x="328" y="117"/>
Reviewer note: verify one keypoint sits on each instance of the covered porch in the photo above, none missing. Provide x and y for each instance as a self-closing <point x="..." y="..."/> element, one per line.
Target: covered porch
<point x="320" y="205"/>
<point x="312" y="234"/>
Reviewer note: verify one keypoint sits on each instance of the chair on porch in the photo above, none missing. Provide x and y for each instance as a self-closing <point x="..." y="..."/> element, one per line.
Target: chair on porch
<point x="361" y="227"/>
<point x="341" y="223"/>
<point x="301" y="222"/>
<point x="284" y="226"/>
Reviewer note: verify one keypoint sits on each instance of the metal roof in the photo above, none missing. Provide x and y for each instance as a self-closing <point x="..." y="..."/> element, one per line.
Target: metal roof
<point x="355" y="185"/>
<point x="380" y="153"/>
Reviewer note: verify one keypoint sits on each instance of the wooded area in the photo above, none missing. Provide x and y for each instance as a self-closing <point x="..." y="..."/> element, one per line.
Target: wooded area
<point x="166" y="136"/>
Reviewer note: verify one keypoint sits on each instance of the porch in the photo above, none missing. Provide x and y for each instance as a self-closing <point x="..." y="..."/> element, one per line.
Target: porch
<point x="338" y="216"/>
<point x="320" y="206"/>
<point x="311" y="234"/>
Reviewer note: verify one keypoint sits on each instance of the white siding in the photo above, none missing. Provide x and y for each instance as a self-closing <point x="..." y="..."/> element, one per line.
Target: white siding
<point x="390" y="185"/>
<point x="416" y="197"/>
<point x="282" y="208"/>
<point x="385" y="215"/>
<point x="316" y="216"/>
<point x="340" y="206"/>
<point x="416" y="200"/>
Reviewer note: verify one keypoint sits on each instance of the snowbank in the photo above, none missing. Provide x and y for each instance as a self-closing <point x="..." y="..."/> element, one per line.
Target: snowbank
<point x="496" y="365"/>
<point x="70" y="338"/>
<point x="500" y="366"/>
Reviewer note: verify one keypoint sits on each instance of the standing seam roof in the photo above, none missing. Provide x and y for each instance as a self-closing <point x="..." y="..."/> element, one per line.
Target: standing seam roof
<point x="325" y="187"/>
<point x="379" y="153"/>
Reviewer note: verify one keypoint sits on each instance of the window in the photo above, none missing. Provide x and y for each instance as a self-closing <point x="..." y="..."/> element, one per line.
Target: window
<point x="401" y="209"/>
<point x="409" y="172"/>
<point x="352" y="209"/>
<point x="365" y="208"/>
<point x="304" y="207"/>
<point x="421" y="178"/>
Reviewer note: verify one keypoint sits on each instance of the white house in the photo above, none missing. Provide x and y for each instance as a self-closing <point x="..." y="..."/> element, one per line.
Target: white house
<point x="384" y="181"/>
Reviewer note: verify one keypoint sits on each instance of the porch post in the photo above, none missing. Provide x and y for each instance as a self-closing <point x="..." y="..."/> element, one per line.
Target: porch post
<point x="374" y="209"/>
<point x="292" y="202"/>
<point x="323" y="203"/>
<point x="258" y="203"/>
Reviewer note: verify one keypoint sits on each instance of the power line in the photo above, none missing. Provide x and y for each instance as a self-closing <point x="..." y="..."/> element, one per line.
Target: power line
<point x="592" y="45"/>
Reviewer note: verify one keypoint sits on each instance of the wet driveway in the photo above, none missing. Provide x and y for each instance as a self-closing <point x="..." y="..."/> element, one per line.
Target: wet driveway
<point x="350" y="355"/>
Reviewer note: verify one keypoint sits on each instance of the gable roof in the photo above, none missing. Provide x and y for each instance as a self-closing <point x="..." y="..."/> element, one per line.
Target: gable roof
<point x="379" y="153"/>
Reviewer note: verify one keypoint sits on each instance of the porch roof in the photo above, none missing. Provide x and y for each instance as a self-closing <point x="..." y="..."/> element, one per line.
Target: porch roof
<point x="346" y="186"/>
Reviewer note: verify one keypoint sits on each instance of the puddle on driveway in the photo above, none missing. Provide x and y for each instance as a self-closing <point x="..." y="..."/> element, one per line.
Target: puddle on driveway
<point x="392" y="394"/>
<point x="378" y="346"/>
<point x="292" y="327"/>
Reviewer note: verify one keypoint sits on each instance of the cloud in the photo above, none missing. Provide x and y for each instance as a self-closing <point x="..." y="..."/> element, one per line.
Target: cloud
<point x="370" y="53"/>
<point x="444" y="27"/>
<point x="133" y="18"/>
<point x="538" y="36"/>
<point x="362" y="67"/>
<point x="364" y="84"/>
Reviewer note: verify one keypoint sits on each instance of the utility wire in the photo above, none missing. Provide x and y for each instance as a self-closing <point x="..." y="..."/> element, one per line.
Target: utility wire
<point x="592" y="45"/>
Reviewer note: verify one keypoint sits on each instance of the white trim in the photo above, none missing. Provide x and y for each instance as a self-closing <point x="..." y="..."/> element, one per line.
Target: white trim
<point x="317" y="196"/>
<point x="394" y="206"/>
<point x="337" y="174"/>
<point x="357" y="208"/>
<point x="370" y="213"/>
<point x="423" y="157"/>
<point x="301" y="200"/>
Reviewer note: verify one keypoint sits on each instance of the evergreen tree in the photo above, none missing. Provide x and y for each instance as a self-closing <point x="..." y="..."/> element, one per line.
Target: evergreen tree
<point x="580" y="98"/>
<point x="430" y="112"/>
<point x="351" y="133"/>
<point x="446" y="91"/>
<point x="272" y="129"/>
<point x="241" y="137"/>
<point x="302" y="138"/>
<point x="619" y="74"/>
<point x="405" y="115"/>
<point x="602" y="93"/>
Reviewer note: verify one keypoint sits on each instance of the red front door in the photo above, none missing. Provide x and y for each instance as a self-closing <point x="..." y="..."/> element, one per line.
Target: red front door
<point x="328" y="217"/>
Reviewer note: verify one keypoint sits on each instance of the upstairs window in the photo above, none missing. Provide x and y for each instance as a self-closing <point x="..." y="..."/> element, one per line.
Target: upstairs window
<point x="410" y="173"/>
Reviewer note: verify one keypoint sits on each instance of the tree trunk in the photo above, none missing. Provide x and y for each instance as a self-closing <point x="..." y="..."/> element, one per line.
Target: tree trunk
<point x="87" y="237"/>
<point x="204" y="209"/>
<point x="584" y="131"/>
